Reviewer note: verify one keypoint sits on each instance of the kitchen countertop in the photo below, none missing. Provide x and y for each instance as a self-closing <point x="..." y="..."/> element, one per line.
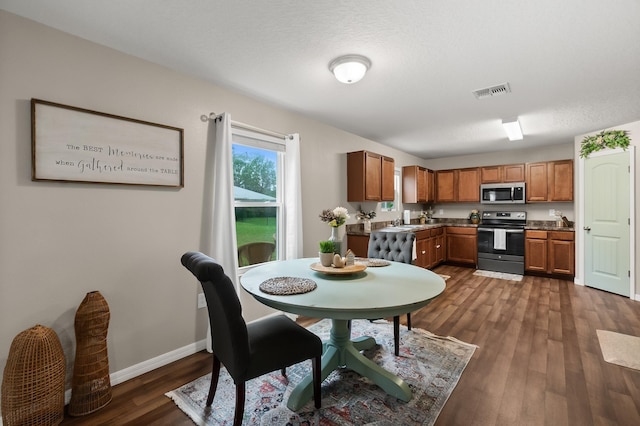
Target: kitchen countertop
<point x="538" y="225"/>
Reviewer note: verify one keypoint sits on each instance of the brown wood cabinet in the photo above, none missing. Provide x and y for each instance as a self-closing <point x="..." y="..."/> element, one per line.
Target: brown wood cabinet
<point x="369" y="177"/>
<point x="550" y="252"/>
<point x="430" y="247"/>
<point x="458" y="185"/>
<point x="462" y="245"/>
<point x="417" y="185"/>
<point x="549" y="181"/>
<point x="502" y="173"/>
<point x="358" y="244"/>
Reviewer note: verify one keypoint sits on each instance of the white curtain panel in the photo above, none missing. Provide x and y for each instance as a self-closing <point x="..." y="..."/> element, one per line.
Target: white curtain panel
<point x="223" y="246"/>
<point x="293" y="197"/>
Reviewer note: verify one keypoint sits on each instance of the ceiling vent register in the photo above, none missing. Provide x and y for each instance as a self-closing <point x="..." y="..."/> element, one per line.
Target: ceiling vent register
<point x="489" y="92"/>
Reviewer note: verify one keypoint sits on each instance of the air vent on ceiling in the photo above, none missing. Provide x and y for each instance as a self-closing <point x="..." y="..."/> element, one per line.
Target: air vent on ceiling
<point x="488" y="92"/>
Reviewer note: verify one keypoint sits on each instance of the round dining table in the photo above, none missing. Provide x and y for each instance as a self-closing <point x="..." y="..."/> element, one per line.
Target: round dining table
<point x="375" y="292"/>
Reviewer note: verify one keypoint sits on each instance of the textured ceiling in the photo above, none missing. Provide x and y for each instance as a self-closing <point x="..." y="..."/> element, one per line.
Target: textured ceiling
<point x="573" y="65"/>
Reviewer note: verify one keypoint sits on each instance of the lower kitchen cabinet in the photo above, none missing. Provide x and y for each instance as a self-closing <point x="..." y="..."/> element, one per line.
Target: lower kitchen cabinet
<point x="550" y="252"/>
<point x="430" y="247"/>
<point x="358" y="244"/>
<point x="462" y="245"/>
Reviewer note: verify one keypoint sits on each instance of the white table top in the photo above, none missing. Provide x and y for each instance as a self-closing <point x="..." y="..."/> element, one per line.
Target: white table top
<point x="377" y="292"/>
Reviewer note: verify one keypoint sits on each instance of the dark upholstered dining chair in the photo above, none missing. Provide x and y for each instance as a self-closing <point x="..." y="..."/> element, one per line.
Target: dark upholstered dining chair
<point x="249" y="350"/>
<point x="257" y="252"/>
<point x="398" y="247"/>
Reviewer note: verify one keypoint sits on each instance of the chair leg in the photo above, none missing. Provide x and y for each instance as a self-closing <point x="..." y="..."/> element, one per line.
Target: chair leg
<point x="409" y="321"/>
<point x="215" y="373"/>
<point x="317" y="397"/>
<point x="396" y="335"/>
<point x="240" y="392"/>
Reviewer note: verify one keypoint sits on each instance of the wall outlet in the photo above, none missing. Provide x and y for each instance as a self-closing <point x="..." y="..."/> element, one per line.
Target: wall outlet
<point x="441" y="211"/>
<point x="202" y="302"/>
<point x="552" y="212"/>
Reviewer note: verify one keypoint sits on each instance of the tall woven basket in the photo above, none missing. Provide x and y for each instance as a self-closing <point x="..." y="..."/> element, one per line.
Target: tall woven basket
<point x="91" y="385"/>
<point x="33" y="381"/>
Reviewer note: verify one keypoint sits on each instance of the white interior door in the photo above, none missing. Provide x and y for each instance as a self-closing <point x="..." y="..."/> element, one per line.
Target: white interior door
<point x="607" y="222"/>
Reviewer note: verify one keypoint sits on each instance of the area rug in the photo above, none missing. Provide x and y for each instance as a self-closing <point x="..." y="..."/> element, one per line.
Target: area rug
<point x="620" y="349"/>
<point x="498" y="275"/>
<point x="431" y="365"/>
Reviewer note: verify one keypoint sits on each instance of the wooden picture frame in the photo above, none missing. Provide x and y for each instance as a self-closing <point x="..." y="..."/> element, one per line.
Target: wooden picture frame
<point x="71" y="144"/>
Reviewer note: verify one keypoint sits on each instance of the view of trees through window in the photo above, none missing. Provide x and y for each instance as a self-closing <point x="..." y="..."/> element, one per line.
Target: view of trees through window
<point x="257" y="206"/>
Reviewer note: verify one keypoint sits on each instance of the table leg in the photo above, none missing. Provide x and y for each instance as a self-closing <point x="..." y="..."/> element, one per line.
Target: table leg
<point x="340" y="350"/>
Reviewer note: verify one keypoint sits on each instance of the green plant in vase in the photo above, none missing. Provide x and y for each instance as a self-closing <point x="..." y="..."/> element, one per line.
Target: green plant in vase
<point x="327" y="249"/>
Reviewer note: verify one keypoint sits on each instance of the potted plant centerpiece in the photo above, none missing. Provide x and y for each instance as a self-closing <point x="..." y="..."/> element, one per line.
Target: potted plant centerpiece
<point x="326" y="252"/>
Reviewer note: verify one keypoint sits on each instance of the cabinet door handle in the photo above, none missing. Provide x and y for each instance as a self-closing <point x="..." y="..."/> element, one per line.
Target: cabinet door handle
<point x="438" y="246"/>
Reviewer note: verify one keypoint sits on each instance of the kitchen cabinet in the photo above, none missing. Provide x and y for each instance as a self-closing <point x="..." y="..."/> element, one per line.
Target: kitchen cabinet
<point x="462" y="245"/>
<point x="369" y="177"/>
<point x="535" y="251"/>
<point x="550" y="252"/>
<point x="458" y="185"/>
<point x="358" y="244"/>
<point x="549" y="181"/>
<point x="429" y="247"/>
<point x="502" y="174"/>
<point x="417" y="185"/>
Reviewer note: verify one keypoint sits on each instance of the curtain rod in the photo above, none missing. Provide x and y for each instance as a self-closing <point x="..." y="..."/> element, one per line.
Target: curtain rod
<point x="237" y="124"/>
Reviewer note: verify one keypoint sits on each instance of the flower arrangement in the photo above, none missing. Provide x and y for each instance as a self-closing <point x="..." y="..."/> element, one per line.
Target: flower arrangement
<point x="362" y="215"/>
<point x="473" y="213"/>
<point x="336" y="217"/>
<point x="602" y="140"/>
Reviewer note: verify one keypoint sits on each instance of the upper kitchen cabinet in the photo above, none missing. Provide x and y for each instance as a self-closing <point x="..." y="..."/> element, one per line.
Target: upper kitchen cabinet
<point x="369" y="177"/>
<point x="549" y="181"/>
<point x="459" y="185"/>
<point x="504" y="173"/>
<point x="417" y="185"/>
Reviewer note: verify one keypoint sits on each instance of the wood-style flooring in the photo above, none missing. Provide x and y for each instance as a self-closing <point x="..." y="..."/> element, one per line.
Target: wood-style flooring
<point x="538" y="361"/>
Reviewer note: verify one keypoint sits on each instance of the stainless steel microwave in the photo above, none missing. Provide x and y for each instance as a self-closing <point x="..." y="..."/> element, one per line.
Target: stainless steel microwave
<point x="502" y="193"/>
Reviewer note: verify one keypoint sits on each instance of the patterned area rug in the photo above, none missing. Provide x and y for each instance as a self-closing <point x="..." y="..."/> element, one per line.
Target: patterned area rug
<point x="499" y="275"/>
<point x="431" y="365"/>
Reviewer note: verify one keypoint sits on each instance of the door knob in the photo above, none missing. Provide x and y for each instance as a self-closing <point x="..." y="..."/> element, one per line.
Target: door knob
<point x="587" y="228"/>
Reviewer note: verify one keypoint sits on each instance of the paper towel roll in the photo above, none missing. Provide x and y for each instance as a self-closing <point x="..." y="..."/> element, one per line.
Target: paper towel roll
<point x="407" y="217"/>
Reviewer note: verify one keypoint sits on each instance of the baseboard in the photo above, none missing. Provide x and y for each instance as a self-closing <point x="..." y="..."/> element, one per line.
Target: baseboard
<point x="148" y="365"/>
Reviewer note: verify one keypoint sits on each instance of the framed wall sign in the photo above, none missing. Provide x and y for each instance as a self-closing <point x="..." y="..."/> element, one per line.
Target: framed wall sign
<point x="80" y="145"/>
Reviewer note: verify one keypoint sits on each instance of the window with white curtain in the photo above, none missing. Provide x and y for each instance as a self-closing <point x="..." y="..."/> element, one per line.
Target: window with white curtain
<point x="258" y="164"/>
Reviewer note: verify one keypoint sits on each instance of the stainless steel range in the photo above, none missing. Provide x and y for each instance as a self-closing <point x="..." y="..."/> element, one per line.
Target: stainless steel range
<point x="501" y="241"/>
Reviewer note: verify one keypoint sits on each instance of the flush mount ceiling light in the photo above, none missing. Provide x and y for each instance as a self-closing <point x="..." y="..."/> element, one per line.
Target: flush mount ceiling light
<point x="513" y="129"/>
<point x="349" y="69"/>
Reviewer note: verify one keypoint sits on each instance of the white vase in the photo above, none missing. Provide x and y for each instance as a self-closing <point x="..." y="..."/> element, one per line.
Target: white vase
<point x="326" y="258"/>
<point x="367" y="226"/>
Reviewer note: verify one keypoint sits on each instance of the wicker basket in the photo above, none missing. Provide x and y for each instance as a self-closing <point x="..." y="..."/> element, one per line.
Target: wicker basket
<point x="33" y="381"/>
<point x="91" y="385"/>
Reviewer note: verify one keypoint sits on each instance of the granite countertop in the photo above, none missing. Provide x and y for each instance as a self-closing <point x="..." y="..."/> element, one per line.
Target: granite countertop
<point x="358" y="228"/>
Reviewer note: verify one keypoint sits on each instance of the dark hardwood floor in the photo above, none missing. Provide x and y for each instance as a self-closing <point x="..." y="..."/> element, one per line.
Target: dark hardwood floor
<point x="538" y="361"/>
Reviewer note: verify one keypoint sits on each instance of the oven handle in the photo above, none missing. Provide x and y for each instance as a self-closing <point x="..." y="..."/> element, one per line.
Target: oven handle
<point x="508" y="231"/>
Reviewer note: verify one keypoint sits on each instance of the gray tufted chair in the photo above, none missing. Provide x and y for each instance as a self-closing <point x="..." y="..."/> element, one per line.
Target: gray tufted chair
<point x="398" y="247"/>
<point x="249" y="350"/>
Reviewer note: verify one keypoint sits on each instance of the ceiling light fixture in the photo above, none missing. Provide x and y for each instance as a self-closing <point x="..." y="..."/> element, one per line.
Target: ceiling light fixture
<point x="349" y="69"/>
<point x="513" y="129"/>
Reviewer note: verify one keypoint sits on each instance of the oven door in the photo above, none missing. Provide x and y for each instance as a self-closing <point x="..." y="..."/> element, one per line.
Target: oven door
<point x="513" y="241"/>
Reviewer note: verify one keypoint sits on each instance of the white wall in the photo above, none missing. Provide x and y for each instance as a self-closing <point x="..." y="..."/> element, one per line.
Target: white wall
<point x="60" y="240"/>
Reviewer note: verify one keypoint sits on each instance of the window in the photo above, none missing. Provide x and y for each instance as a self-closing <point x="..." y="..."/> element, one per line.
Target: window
<point x="393" y="206"/>
<point x="257" y="174"/>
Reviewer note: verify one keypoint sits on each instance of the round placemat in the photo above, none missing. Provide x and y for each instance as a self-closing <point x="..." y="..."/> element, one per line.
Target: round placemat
<point x="372" y="262"/>
<point x="287" y="285"/>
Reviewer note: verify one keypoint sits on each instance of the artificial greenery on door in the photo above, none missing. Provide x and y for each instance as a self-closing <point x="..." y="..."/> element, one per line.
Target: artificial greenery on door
<point x="605" y="139"/>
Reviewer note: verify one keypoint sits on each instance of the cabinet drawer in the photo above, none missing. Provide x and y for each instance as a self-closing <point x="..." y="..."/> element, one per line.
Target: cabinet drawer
<point x="421" y="235"/>
<point x="461" y="230"/>
<point x="561" y="235"/>
<point x="437" y="231"/>
<point x="542" y="235"/>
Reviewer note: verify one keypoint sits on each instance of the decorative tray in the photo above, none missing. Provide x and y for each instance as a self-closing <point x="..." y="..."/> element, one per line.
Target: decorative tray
<point x="330" y="270"/>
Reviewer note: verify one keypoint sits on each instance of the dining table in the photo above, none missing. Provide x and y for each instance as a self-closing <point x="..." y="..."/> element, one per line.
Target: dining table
<point x="381" y="290"/>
